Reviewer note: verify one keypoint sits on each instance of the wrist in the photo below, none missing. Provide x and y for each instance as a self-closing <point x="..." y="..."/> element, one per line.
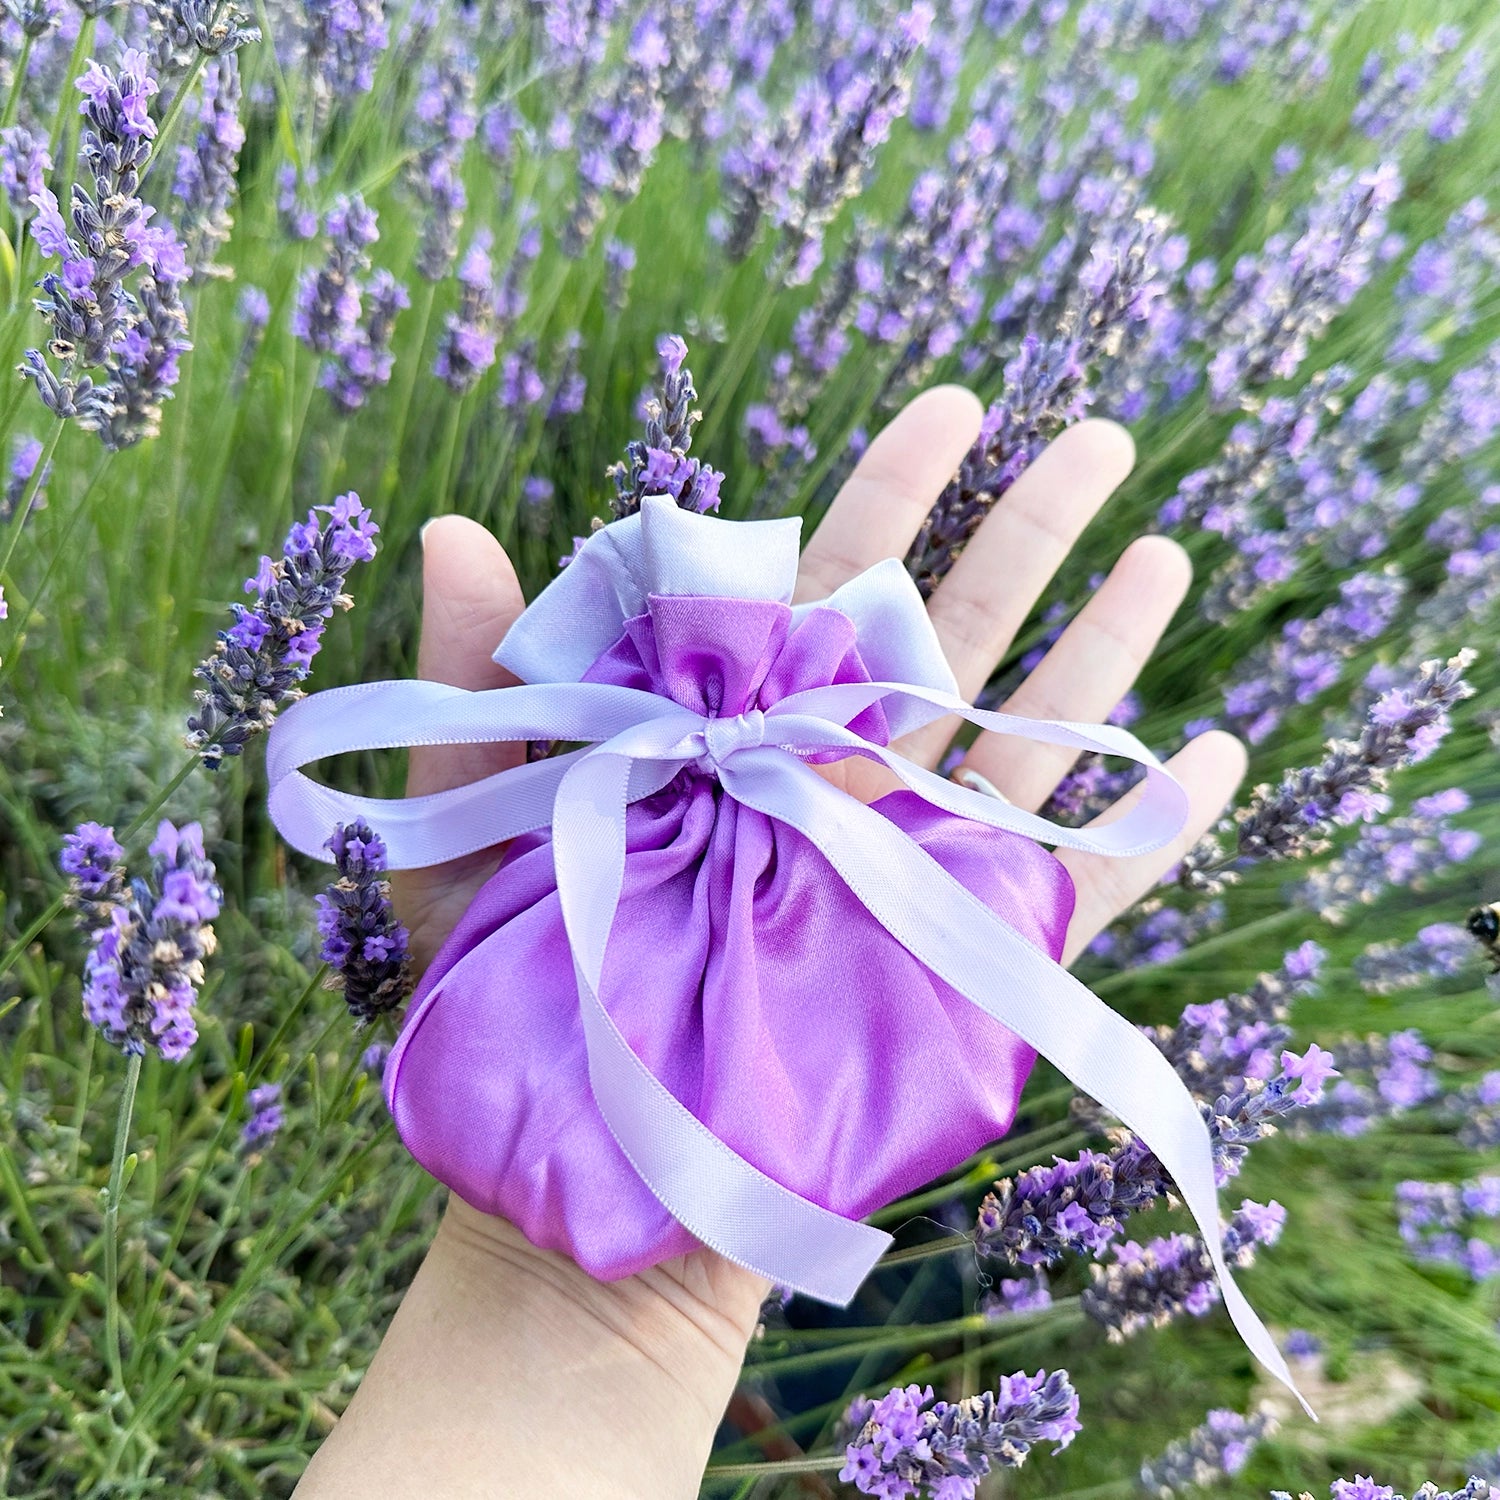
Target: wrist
<point x="508" y="1371"/>
<point x="644" y="1366"/>
<point x="698" y="1310"/>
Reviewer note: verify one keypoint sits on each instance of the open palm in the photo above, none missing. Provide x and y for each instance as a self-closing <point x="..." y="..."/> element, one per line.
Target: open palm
<point x="658" y="1354"/>
<point x="471" y="597"/>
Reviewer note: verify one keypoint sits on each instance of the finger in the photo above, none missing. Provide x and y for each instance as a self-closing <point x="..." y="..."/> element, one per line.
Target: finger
<point x="1090" y="669"/>
<point x="981" y="605"/>
<point x="883" y="503"/>
<point x="1210" y="768"/>
<point x="470" y="597"/>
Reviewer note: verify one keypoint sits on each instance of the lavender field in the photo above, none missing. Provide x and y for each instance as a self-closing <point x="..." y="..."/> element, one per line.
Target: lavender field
<point x="280" y="281"/>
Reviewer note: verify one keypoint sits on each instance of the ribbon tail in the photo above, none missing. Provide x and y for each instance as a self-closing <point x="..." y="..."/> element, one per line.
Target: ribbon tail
<point x="966" y="945"/>
<point x="730" y="1205"/>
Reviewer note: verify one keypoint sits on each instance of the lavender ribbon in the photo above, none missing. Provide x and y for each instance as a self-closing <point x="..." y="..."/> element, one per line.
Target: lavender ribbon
<point x="638" y="741"/>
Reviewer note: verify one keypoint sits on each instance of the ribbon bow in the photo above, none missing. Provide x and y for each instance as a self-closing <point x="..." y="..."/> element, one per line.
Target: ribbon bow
<point x="637" y="741"/>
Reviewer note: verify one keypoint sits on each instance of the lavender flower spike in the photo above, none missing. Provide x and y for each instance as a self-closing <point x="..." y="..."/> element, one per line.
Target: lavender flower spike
<point x="259" y="661"/>
<point x="1077" y="1206"/>
<point x="902" y="1447"/>
<point x="1219" y="1448"/>
<point x="363" y="943"/>
<point x="1404" y="726"/>
<point x="150" y="939"/>
<point x="94" y="863"/>
<point x="205" y="181"/>
<point x="659" y="465"/>
<point x="1363" y="1488"/>
<point x="1146" y="1286"/>
<point x="1287" y="296"/>
<point x="1046" y="389"/>
<point x="95" y="319"/>
<point x="266" y="1115"/>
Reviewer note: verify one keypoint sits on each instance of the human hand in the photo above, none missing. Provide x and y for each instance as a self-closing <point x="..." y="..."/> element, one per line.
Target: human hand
<point x="508" y="1366"/>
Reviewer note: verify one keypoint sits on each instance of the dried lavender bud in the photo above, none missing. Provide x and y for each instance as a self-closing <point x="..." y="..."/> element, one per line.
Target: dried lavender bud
<point x="1220" y="1448"/>
<point x="903" y="1446"/>
<point x="364" y="945"/>
<point x="145" y="968"/>
<point x="258" y="664"/>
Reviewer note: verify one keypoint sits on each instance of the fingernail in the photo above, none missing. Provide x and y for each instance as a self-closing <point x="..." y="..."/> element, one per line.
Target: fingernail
<point x="422" y="531"/>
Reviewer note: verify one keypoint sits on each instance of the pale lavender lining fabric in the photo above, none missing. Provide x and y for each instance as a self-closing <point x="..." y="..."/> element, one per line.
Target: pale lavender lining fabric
<point x="658" y="567"/>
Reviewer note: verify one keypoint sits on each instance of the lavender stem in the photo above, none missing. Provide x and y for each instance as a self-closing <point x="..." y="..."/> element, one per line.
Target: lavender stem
<point x="174" y="110"/>
<point x="13" y="101"/>
<point x="23" y="505"/>
<point x="112" y="1225"/>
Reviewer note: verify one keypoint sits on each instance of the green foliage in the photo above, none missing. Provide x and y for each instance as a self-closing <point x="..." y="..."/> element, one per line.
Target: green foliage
<point x="254" y="1285"/>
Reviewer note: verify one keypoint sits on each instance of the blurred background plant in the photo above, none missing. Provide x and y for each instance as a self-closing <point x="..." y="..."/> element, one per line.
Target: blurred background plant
<point x="420" y="258"/>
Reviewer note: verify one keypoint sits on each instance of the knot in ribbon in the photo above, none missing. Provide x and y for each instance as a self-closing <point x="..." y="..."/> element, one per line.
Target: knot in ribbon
<point x="723" y="737"/>
<point x="637" y="741"/>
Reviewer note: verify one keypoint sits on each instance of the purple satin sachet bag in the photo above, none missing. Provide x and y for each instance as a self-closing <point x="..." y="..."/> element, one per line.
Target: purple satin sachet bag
<point x="741" y="970"/>
<point x="710" y="997"/>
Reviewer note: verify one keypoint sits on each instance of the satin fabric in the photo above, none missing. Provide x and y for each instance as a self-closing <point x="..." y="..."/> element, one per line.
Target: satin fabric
<point x="741" y="970"/>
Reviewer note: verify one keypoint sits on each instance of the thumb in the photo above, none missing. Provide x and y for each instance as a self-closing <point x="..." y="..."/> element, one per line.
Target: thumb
<point x="470" y="598"/>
